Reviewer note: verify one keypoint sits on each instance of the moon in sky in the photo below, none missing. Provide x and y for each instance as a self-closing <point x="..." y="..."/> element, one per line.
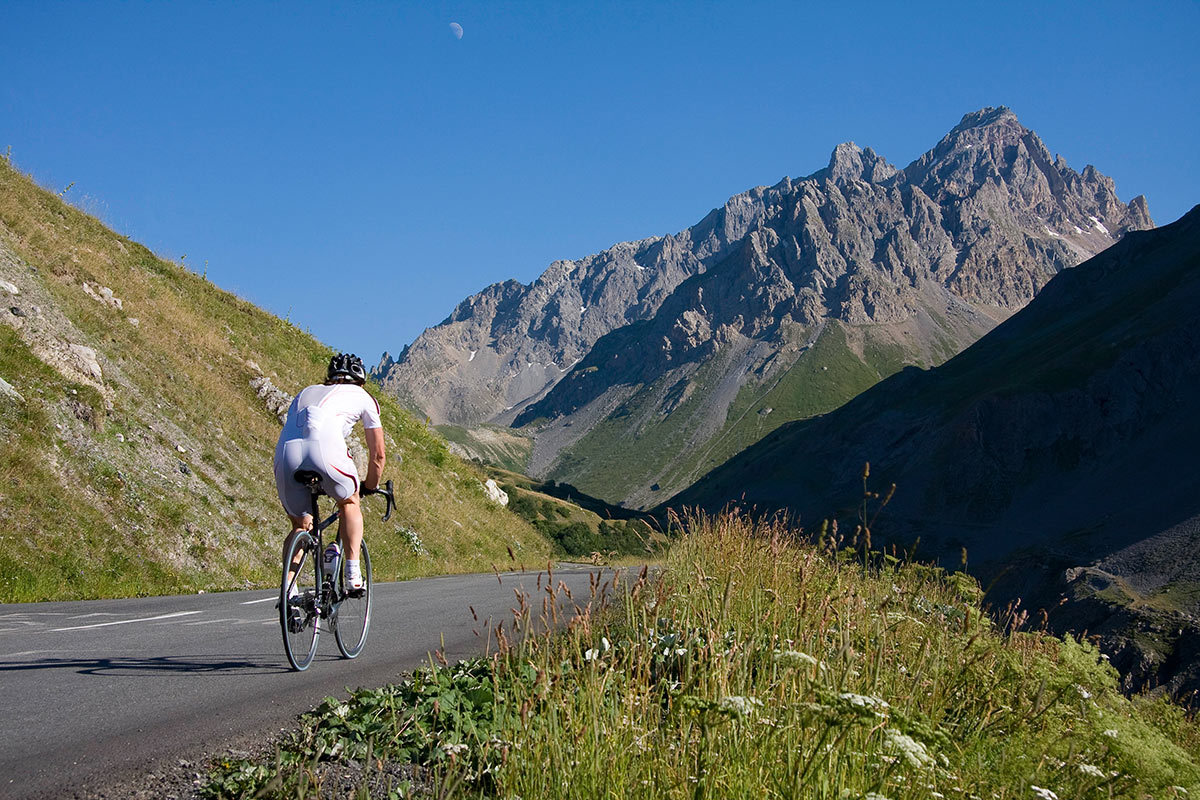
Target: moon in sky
<point x="456" y="29"/>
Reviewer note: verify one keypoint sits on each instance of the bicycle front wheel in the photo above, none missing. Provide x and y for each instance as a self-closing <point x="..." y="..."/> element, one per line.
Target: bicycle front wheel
<point x="299" y="595"/>
<point x="353" y="616"/>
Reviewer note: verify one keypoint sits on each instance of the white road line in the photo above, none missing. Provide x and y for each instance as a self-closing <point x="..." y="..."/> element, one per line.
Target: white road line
<point x="96" y="614"/>
<point x="126" y="621"/>
<point x="264" y="600"/>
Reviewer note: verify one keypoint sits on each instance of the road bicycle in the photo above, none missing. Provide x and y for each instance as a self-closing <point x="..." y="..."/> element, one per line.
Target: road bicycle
<point x="311" y="600"/>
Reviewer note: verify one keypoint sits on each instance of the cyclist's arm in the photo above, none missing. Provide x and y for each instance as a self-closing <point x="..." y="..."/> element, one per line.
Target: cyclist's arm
<point x="376" y="457"/>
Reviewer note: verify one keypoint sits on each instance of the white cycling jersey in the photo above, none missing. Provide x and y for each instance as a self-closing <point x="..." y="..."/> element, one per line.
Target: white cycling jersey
<point x="314" y="438"/>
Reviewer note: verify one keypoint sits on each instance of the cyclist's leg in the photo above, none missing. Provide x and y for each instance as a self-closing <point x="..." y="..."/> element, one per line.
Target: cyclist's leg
<point x="299" y="524"/>
<point x="350" y="526"/>
<point x="290" y="456"/>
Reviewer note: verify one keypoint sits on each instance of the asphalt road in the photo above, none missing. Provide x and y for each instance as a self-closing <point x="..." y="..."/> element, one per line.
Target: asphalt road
<point x="96" y="693"/>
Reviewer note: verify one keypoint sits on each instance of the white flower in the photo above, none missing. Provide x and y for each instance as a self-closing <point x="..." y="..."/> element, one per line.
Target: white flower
<point x="455" y="749"/>
<point x="739" y="706"/>
<point x="604" y="645"/>
<point x="1111" y="733"/>
<point x="794" y="658"/>
<point x="913" y="751"/>
<point x="1088" y="769"/>
<point x="591" y="654"/>
<point x="874" y="796"/>
<point x="864" y="701"/>
<point x="1044" y="794"/>
<point x="679" y="651"/>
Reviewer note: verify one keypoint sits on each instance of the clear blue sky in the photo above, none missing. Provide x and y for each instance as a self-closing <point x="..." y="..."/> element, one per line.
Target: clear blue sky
<point x="358" y="166"/>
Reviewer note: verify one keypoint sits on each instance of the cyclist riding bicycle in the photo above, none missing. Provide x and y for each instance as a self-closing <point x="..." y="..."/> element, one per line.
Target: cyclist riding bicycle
<point x="314" y="438"/>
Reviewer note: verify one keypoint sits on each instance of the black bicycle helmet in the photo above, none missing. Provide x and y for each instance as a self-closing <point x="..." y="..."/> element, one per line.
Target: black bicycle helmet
<point x="346" y="365"/>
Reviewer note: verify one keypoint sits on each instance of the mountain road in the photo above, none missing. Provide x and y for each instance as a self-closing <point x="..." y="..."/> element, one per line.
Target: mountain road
<point x="99" y="692"/>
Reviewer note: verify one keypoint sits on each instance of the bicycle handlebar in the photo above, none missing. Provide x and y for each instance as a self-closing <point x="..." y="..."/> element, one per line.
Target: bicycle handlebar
<point x="387" y="493"/>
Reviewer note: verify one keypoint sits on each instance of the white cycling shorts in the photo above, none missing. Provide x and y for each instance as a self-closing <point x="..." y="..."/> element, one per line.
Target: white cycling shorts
<point x="326" y="455"/>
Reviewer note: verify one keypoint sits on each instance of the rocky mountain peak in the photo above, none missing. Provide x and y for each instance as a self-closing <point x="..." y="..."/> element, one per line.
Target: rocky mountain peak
<point x="986" y="217"/>
<point x="998" y="116"/>
<point x="851" y="162"/>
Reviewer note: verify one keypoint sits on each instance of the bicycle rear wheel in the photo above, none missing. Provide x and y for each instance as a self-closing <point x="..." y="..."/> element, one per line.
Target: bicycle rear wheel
<point x="353" y="617"/>
<point x="299" y="601"/>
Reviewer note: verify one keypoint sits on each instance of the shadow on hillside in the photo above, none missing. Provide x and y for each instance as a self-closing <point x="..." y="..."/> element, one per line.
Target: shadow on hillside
<point x="120" y="666"/>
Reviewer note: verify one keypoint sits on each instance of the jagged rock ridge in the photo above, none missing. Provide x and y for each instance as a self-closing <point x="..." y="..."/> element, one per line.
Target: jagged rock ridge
<point x="919" y="262"/>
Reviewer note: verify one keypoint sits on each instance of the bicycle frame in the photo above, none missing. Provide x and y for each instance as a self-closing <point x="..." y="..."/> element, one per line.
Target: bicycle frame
<point x="327" y="599"/>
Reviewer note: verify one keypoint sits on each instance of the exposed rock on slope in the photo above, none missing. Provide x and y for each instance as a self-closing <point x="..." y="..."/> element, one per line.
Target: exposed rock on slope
<point x="1059" y="450"/>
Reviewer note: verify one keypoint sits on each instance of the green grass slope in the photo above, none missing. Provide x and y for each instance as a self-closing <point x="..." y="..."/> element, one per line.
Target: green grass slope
<point x="153" y="475"/>
<point x="489" y="444"/>
<point x="640" y="446"/>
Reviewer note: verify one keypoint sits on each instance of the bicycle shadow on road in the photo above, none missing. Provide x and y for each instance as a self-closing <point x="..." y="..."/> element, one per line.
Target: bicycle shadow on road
<point x="132" y="666"/>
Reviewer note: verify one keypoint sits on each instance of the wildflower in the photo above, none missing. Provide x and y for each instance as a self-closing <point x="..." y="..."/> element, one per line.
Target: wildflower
<point x="455" y="749"/>
<point x="914" y="752"/>
<point x="789" y="659"/>
<point x="1111" y="733"/>
<point x="1088" y="769"/>
<point x="591" y="654"/>
<point x="1044" y="794"/>
<point x="874" y="796"/>
<point x="865" y="701"/>
<point x="1083" y="693"/>
<point x="738" y="706"/>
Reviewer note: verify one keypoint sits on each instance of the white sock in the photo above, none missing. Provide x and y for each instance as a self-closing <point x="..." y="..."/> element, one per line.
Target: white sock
<point x="352" y="569"/>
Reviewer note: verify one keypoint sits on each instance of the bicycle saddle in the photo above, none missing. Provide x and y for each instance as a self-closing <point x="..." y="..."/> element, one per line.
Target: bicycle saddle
<point x="308" y="477"/>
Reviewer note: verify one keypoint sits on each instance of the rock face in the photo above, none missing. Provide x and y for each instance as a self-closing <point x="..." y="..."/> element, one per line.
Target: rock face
<point x="1059" y="451"/>
<point x="672" y="340"/>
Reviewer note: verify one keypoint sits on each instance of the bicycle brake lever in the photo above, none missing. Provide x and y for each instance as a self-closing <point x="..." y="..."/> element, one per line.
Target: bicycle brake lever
<point x="391" y="502"/>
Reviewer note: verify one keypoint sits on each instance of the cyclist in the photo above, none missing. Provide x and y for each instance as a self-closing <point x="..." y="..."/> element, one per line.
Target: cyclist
<point x="314" y="438"/>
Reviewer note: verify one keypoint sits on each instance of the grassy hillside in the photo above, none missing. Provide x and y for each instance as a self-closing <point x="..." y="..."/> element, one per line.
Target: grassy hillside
<point x="135" y="449"/>
<point x="581" y="527"/>
<point x="638" y="445"/>
<point x="489" y="444"/>
<point x="756" y="667"/>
